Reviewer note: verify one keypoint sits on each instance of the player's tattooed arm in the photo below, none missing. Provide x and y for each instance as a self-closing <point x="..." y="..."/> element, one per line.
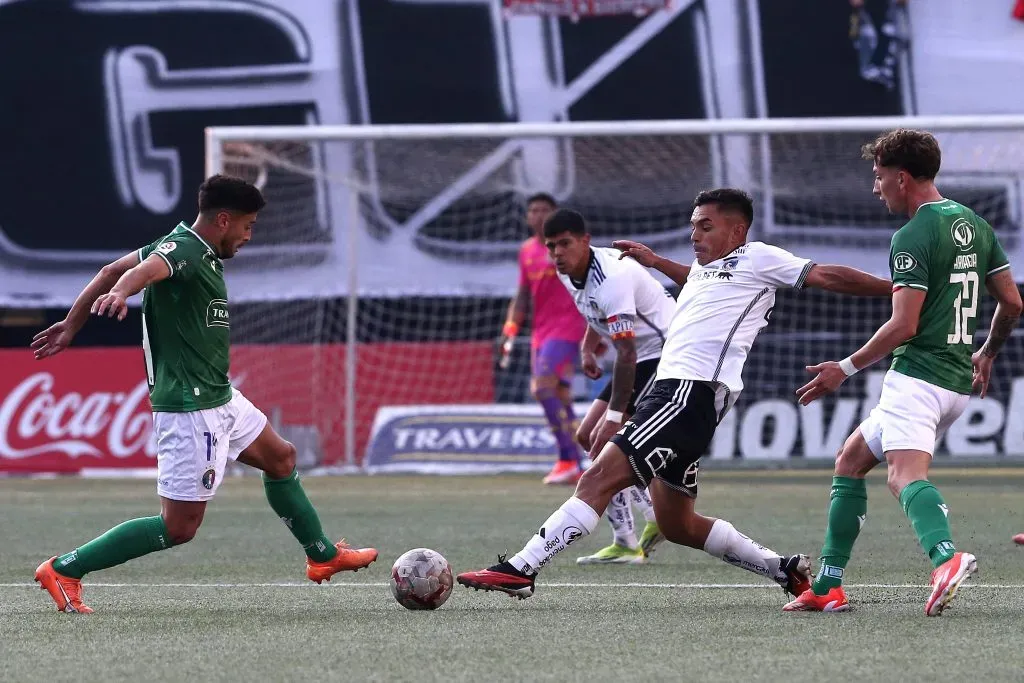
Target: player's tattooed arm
<point x="846" y="280"/>
<point x="623" y="377"/>
<point x="624" y="371"/>
<point x="645" y="256"/>
<point x="58" y="336"/>
<point x="1007" y="314"/>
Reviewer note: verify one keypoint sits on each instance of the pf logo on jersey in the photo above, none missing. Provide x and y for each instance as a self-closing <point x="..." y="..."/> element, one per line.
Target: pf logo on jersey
<point x="903" y="262"/>
<point x="963" y="233"/>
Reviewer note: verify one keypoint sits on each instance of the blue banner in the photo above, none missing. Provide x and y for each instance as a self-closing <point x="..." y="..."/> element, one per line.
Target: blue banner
<point x="470" y="439"/>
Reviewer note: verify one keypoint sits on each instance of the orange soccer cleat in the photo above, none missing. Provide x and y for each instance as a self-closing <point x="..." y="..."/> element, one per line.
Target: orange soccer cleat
<point x="833" y="601"/>
<point x="564" y="472"/>
<point x="347" y="560"/>
<point x="946" y="579"/>
<point x="64" y="590"/>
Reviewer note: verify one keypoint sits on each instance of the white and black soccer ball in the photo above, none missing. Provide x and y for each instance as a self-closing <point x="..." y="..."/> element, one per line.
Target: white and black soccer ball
<point x="421" y="579"/>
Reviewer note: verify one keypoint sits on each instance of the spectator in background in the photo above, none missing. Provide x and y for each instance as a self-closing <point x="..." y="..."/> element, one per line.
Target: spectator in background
<point x="878" y="50"/>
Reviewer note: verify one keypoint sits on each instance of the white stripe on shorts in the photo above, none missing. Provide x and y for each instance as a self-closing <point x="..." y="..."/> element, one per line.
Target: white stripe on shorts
<point x="666" y="413"/>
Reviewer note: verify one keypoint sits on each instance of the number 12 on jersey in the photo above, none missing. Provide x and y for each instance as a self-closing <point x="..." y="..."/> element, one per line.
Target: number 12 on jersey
<point x="965" y="307"/>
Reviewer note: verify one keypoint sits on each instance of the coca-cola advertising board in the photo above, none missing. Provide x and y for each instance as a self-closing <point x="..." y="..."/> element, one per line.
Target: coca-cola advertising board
<point x="89" y="408"/>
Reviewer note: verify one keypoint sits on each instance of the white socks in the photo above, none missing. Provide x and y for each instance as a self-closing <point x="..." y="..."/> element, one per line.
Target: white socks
<point x="727" y="544"/>
<point x="620" y="516"/>
<point x="569" y="523"/>
<point x="642" y="500"/>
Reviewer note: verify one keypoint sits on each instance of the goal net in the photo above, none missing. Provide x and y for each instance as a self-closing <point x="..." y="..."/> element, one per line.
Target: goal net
<point x="381" y="270"/>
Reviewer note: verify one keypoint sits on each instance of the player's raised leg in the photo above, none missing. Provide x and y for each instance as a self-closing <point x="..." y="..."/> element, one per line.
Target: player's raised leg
<point x="680" y="523"/>
<point x="275" y="457"/>
<point x="576" y="518"/>
<point x="847" y="512"/>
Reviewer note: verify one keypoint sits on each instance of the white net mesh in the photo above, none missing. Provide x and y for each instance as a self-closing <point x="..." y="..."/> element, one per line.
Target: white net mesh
<point x="428" y="231"/>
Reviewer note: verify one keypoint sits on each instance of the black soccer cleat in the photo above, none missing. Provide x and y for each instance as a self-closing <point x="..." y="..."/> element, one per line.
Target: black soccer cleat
<point x="795" y="574"/>
<point x="500" y="577"/>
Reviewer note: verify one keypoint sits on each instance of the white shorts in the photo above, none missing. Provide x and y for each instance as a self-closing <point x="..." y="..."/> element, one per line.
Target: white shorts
<point x="911" y="415"/>
<point x="193" y="448"/>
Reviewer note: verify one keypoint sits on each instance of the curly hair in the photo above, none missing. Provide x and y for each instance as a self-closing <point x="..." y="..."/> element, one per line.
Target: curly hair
<point x="914" y="151"/>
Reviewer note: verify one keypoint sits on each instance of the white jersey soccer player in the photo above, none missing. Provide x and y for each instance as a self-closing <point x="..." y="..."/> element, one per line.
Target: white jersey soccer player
<point x="726" y="300"/>
<point x="625" y="306"/>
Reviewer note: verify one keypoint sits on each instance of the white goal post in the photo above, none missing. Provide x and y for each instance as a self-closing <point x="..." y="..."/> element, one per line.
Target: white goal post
<point x="390" y="250"/>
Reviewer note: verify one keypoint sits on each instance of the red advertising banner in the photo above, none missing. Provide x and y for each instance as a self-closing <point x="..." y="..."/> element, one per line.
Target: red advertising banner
<point x="89" y="408"/>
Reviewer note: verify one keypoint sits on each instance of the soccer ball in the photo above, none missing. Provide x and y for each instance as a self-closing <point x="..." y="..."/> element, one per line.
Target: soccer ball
<point x="421" y="579"/>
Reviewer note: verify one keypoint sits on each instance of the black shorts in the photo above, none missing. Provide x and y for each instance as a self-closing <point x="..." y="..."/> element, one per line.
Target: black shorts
<point x="668" y="434"/>
<point x="643" y="382"/>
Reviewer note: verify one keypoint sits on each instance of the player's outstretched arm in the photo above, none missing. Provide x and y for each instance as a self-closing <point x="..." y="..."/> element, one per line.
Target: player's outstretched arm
<point x="906" y="313"/>
<point x="846" y="280"/>
<point x="623" y="377"/>
<point x="646" y="257"/>
<point x="114" y="303"/>
<point x="58" y="336"/>
<point x="1003" y="288"/>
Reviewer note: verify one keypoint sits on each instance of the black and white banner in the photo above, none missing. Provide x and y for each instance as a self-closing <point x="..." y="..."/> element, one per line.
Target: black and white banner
<point x="109" y="99"/>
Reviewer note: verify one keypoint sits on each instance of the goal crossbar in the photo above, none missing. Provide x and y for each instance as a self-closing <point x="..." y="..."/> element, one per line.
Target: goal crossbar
<point x="614" y="128"/>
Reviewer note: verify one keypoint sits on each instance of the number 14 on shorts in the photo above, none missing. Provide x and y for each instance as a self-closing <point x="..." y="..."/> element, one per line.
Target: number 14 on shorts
<point x="211" y="443"/>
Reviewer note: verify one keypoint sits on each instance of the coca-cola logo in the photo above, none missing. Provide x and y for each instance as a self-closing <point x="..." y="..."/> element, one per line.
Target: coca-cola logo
<point x="36" y="420"/>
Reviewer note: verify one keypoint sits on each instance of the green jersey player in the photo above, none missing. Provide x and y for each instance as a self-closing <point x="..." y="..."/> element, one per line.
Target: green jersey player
<point x="199" y="420"/>
<point x="940" y="260"/>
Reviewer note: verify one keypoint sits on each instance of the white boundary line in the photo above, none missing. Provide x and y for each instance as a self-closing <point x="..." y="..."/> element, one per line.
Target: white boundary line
<point x="690" y="586"/>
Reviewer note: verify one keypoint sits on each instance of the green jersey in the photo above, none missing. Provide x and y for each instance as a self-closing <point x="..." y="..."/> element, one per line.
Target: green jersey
<point x="948" y="251"/>
<point x="185" y="326"/>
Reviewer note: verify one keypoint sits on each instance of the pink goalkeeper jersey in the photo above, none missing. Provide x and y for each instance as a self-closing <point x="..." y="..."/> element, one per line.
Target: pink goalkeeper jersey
<point x="554" y="312"/>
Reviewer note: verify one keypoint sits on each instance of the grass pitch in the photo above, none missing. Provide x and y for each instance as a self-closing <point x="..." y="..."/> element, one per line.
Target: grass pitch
<point x="234" y="604"/>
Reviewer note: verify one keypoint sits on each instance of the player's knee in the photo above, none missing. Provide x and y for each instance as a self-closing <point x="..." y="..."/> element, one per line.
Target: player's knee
<point x="182" y="529"/>
<point x="606" y="477"/>
<point x="850" y="462"/>
<point x="283" y="464"/>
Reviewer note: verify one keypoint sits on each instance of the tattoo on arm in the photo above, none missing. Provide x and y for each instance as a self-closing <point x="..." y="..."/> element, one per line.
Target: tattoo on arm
<point x="624" y="373"/>
<point x="1002" y="327"/>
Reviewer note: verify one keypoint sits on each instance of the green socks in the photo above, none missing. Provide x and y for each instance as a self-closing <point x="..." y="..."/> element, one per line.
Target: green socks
<point x="126" y="541"/>
<point x="846" y="515"/>
<point x="927" y="512"/>
<point x="289" y="501"/>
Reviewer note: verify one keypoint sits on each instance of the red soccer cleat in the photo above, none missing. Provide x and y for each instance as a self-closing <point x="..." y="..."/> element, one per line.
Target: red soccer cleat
<point x="946" y="579"/>
<point x="564" y="472"/>
<point x="347" y="560"/>
<point x="500" y="577"/>
<point x="833" y="601"/>
<point x="64" y="590"/>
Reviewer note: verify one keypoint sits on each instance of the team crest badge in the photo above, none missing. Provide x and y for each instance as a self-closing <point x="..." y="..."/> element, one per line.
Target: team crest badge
<point x="903" y="262"/>
<point x="963" y="233"/>
<point x="209" y="477"/>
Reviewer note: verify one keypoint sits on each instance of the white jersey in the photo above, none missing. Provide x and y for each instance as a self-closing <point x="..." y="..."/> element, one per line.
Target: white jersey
<point x="721" y="309"/>
<point x="620" y="298"/>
